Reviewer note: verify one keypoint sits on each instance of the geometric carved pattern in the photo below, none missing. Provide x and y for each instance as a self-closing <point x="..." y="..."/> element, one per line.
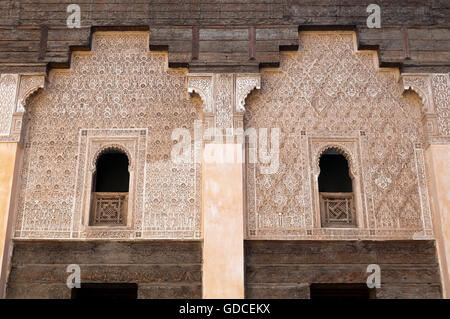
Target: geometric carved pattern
<point x="325" y="94"/>
<point x="337" y="209"/>
<point x="8" y="88"/>
<point x="434" y="90"/>
<point x="441" y="94"/>
<point x="29" y="84"/>
<point x="244" y="85"/>
<point x="422" y="85"/>
<point x="93" y="143"/>
<point x="202" y="84"/>
<point x="109" y="209"/>
<point x="223" y="96"/>
<point x="118" y="95"/>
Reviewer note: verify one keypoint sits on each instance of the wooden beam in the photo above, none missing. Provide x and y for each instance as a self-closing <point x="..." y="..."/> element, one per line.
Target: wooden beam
<point x="43" y="42"/>
<point x="195" y="42"/>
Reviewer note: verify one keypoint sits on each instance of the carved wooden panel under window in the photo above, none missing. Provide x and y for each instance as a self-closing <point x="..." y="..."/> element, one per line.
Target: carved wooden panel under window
<point x="337" y="210"/>
<point x="109" y="209"/>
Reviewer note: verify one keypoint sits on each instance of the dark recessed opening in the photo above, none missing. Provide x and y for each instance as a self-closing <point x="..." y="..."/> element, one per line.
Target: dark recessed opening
<point x="105" y="291"/>
<point x="334" y="173"/>
<point x="341" y="291"/>
<point x="112" y="173"/>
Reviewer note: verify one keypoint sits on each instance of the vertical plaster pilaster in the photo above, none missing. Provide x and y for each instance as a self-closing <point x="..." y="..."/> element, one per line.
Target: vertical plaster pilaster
<point x="223" y="213"/>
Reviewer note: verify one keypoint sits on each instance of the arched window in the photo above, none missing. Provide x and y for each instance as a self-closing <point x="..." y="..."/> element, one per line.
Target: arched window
<point x="110" y="186"/>
<point x="336" y="190"/>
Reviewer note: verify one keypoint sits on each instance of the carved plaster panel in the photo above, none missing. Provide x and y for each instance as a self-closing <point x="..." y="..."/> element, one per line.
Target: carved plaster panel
<point x="202" y="84"/>
<point x="8" y="92"/>
<point x="244" y="85"/>
<point x="328" y="94"/>
<point x="434" y="90"/>
<point x="29" y="84"/>
<point x="441" y="97"/>
<point x="15" y="90"/>
<point x="92" y="142"/>
<point x="421" y="84"/>
<point x="349" y="148"/>
<point x="223" y="100"/>
<point x="223" y="96"/>
<point x="118" y="94"/>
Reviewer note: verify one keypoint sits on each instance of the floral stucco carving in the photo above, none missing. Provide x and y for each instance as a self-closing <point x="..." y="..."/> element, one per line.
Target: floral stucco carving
<point x="325" y="95"/>
<point x="330" y="95"/>
<point x="223" y="96"/>
<point x="15" y="89"/>
<point x="8" y="91"/>
<point x="202" y="84"/>
<point x="29" y="84"/>
<point x="244" y="85"/>
<point x="434" y="90"/>
<point x="118" y="94"/>
<point x="421" y="84"/>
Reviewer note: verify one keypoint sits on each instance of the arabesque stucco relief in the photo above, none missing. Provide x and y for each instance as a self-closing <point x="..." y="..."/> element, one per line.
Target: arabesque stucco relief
<point x="325" y="95"/>
<point x="119" y="93"/>
<point x="329" y="94"/>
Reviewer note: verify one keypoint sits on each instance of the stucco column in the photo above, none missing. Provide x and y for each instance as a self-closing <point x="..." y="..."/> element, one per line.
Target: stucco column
<point x="433" y="89"/>
<point x="14" y="91"/>
<point x="223" y="215"/>
<point x="438" y="167"/>
<point x="10" y="158"/>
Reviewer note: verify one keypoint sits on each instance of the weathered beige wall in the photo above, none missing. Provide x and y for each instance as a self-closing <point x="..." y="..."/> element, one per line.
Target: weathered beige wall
<point x="438" y="165"/>
<point x="223" y="226"/>
<point x="8" y="152"/>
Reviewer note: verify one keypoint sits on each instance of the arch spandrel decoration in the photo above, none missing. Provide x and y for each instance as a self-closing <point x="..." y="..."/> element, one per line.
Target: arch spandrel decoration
<point x="434" y="91"/>
<point x="15" y="90"/>
<point x="223" y="96"/>
<point x="244" y="85"/>
<point x="352" y="165"/>
<point x="115" y="147"/>
<point x="8" y="92"/>
<point x="440" y="84"/>
<point x="325" y="92"/>
<point x="29" y="85"/>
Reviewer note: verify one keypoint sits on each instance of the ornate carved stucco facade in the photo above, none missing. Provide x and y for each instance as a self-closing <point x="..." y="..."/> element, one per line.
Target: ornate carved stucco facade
<point x="326" y="94"/>
<point x="139" y="103"/>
